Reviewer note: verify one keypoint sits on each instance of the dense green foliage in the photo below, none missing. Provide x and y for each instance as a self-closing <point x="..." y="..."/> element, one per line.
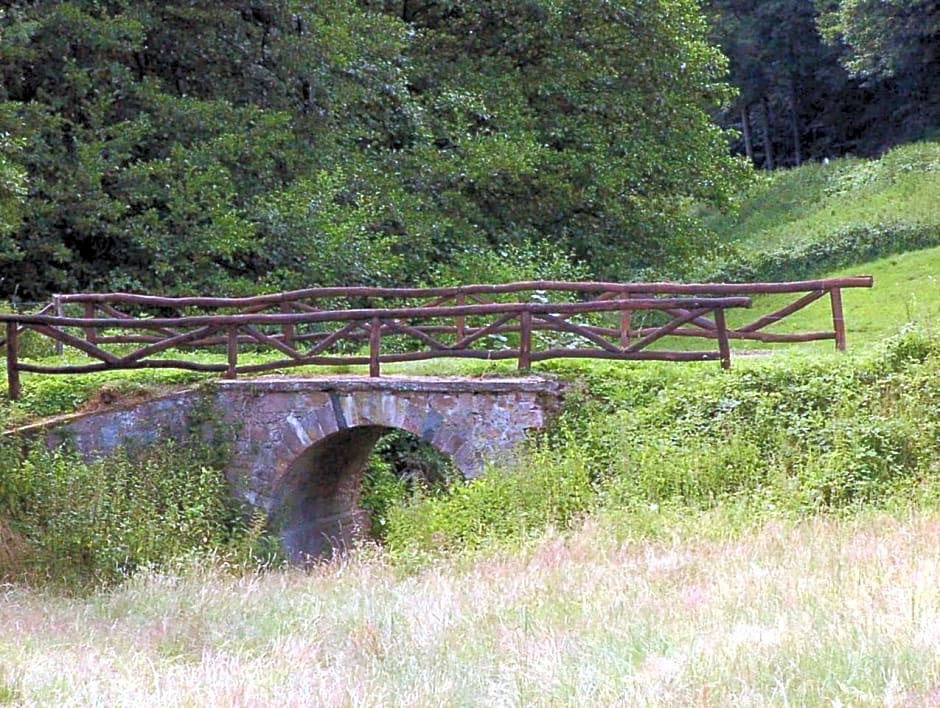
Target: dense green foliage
<point x="787" y="436"/>
<point x="192" y="146"/>
<point x="232" y="147"/>
<point x="72" y="523"/>
<point x="401" y="467"/>
<point x="886" y="39"/>
<point x="12" y="185"/>
<point x="237" y="147"/>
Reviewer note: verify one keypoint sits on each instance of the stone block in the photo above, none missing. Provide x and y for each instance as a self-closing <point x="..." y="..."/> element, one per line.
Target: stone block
<point x="320" y="421"/>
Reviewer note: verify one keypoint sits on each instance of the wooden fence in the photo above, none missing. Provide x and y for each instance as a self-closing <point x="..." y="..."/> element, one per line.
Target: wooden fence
<point x="529" y="321"/>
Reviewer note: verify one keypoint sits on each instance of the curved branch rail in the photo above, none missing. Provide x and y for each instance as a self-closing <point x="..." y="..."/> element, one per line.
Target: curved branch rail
<point x="359" y="325"/>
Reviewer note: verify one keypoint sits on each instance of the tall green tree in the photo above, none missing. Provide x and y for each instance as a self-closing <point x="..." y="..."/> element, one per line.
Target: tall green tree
<point x="585" y="124"/>
<point x="892" y="46"/>
<point x="884" y="37"/>
<point x="828" y="77"/>
<point x="190" y="145"/>
<point x="161" y="138"/>
<point x="795" y="102"/>
<point x="12" y="186"/>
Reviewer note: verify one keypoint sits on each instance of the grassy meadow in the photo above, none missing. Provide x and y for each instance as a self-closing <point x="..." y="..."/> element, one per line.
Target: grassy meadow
<point x="683" y="535"/>
<point x="825" y="611"/>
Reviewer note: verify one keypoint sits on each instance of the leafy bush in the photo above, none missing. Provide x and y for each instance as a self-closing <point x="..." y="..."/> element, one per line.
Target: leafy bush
<point x="528" y="260"/>
<point x="85" y="523"/>
<point x="402" y="466"/>
<point x="543" y="489"/>
<point x="381" y="490"/>
<point x="793" y="435"/>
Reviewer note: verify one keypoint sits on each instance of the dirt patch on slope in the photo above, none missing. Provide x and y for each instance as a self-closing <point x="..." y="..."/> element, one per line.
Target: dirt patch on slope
<point x="108" y="397"/>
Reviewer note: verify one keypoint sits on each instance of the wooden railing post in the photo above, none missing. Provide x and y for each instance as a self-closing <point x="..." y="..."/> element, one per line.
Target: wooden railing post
<point x="13" y="372"/>
<point x="460" y="300"/>
<point x="57" y="305"/>
<point x="91" y="333"/>
<point x="232" y="346"/>
<point x="288" y="328"/>
<point x="838" y="320"/>
<point x="375" y="343"/>
<point x="626" y="317"/>
<point x="724" y="350"/>
<point x="525" y="340"/>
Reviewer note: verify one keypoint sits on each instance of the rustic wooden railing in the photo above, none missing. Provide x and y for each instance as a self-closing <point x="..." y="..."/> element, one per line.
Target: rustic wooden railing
<point x="360" y="325"/>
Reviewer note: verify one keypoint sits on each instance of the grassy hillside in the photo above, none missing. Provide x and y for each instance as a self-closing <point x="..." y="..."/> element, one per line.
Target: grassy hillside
<point x="788" y="207"/>
<point x="906" y="292"/>
<point x="848" y="217"/>
<point x="807" y="221"/>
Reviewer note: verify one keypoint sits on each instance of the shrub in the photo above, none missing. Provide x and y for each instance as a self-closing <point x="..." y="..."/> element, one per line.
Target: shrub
<point x="401" y="467"/>
<point x="793" y="435"/>
<point x="80" y="523"/>
<point x="528" y="260"/>
<point x="501" y="506"/>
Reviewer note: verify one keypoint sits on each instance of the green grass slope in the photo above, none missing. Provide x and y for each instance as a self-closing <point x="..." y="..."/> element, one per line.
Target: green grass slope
<point x="804" y="222"/>
<point x="906" y="292"/>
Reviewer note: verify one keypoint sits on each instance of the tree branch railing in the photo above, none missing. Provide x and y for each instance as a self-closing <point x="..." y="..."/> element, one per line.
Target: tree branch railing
<point x="374" y="326"/>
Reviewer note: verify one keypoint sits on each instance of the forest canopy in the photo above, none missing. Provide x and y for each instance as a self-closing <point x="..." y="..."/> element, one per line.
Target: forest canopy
<point x="237" y="146"/>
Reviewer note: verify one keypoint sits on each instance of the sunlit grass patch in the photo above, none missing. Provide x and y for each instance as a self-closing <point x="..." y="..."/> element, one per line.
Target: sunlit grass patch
<point x="804" y="613"/>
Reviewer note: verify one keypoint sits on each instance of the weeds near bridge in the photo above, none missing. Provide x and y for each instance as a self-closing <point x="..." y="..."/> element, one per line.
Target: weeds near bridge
<point x="77" y="524"/>
<point x="792" y="437"/>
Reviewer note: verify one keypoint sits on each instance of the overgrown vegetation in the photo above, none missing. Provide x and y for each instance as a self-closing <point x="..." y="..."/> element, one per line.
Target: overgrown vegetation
<point x="747" y="537"/>
<point x="681" y="536"/>
<point x="791" y="436"/>
<point x="76" y="524"/>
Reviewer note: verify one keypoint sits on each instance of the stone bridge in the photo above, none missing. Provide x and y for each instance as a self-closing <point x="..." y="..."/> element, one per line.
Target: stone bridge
<point x="300" y="446"/>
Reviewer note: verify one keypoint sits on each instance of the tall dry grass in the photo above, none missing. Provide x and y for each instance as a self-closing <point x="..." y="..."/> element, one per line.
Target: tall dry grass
<point x="823" y="612"/>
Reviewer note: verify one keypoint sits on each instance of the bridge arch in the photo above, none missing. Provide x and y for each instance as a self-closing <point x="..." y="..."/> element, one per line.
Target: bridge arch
<point x="303" y="452"/>
<point x="315" y="507"/>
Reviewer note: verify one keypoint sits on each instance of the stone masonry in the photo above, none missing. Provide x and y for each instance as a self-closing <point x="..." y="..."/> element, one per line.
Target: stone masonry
<point x="301" y="445"/>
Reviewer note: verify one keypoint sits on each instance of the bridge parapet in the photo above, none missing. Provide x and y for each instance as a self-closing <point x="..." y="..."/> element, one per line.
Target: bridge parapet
<point x="375" y="326"/>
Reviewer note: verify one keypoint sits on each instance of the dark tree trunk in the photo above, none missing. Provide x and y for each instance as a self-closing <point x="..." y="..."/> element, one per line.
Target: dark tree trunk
<point x="746" y="131"/>
<point x="795" y="125"/>
<point x="768" y="143"/>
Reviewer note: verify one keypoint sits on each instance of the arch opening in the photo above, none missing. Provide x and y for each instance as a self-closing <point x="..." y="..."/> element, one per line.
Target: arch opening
<point x="316" y="508"/>
<point x="402" y="465"/>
